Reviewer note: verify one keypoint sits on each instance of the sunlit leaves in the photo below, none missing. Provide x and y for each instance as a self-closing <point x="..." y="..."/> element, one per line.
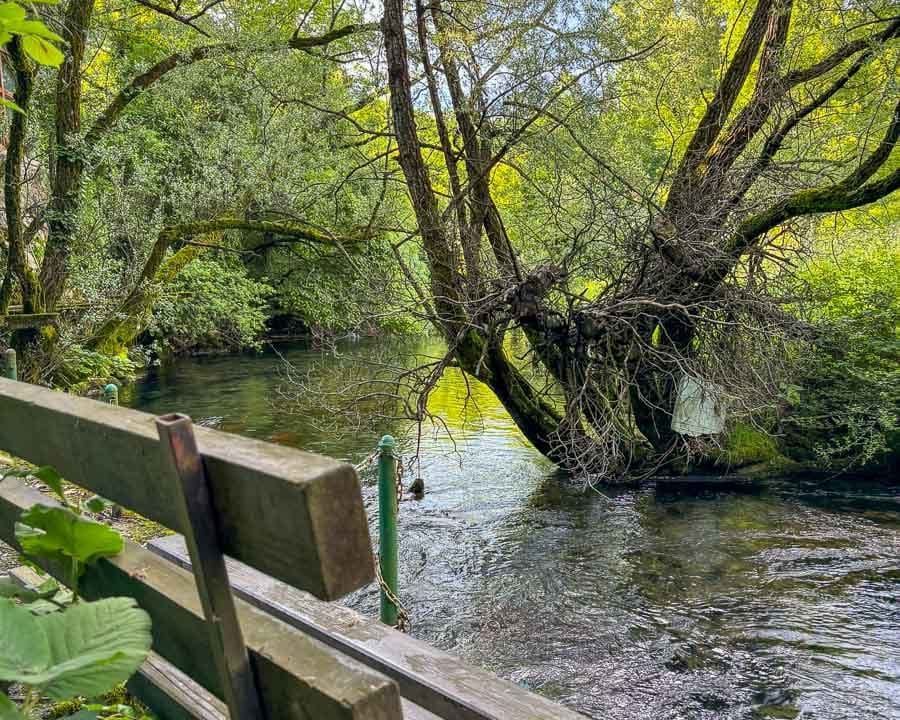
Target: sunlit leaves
<point x="42" y="51"/>
<point x="37" y="39"/>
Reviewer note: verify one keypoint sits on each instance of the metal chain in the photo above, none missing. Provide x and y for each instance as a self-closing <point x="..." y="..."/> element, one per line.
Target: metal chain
<point x="404" y="622"/>
<point x="399" y="460"/>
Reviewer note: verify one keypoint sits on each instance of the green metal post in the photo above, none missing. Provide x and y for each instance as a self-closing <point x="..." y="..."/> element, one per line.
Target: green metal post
<point x="111" y="397"/>
<point x="111" y="394"/>
<point x="10" y="368"/>
<point x="387" y="526"/>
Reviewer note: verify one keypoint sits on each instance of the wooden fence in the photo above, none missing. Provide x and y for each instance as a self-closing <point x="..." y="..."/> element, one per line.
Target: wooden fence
<point x="296" y="535"/>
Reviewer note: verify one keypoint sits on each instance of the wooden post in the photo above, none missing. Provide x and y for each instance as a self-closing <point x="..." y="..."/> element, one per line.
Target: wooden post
<point x="185" y="465"/>
<point x="10" y="366"/>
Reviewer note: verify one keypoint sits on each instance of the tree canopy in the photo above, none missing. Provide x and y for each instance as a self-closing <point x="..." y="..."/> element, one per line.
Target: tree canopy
<point x="641" y="190"/>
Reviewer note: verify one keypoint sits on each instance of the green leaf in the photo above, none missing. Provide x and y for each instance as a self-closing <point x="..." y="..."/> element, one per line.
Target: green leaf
<point x="42" y="607"/>
<point x="82" y="715"/>
<point x="58" y="533"/>
<point x="96" y="504"/>
<point x="11" y="12"/>
<point x="8" y="710"/>
<point x="84" y="650"/>
<point x="42" y="51"/>
<point x="46" y="474"/>
<point x="51" y="479"/>
<point x="38" y="29"/>
<point x="10" y="589"/>
<point x="23" y="648"/>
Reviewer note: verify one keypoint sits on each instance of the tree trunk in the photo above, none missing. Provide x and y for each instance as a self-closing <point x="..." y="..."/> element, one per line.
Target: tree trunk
<point x="69" y="167"/>
<point x="18" y="268"/>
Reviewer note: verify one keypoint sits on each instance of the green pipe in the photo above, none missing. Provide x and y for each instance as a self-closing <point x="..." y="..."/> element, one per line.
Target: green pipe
<point x="111" y="394"/>
<point x="10" y="368"/>
<point x="387" y="526"/>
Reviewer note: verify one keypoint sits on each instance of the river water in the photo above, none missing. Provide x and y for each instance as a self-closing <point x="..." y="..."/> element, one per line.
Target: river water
<point x="781" y="602"/>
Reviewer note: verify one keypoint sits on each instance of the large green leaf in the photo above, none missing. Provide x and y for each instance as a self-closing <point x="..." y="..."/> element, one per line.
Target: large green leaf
<point x="83" y="651"/>
<point x="42" y="51"/>
<point x="11" y="12"/>
<point x="24" y="649"/>
<point x="37" y="28"/>
<point x="59" y="533"/>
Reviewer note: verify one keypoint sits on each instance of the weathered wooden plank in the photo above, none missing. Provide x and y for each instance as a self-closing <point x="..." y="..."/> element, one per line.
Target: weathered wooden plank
<point x="434" y="680"/>
<point x="298" y="676"/>
<point x="20" y="322"/>
<point x="294" y="515"/>
<point x="172" y="695"/>
<point x="192" y="496"/>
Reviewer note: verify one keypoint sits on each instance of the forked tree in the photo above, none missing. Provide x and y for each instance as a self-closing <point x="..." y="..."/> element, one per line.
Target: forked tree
<point x="689" y="291"/>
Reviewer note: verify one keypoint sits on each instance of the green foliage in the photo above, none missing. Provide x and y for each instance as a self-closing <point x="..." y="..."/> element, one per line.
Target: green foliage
<point x="747" y="445"/>
<point x="8" y="710"/>
<point x="843" y="408"/>
<point x="46" y="475"/>
<point x="58" y="533"/>
<point x="95" y="711"/>
<point x="79" y="369"/>
<point x="112" y="705"/>
<point x="47" y="589"/>
<point x="211" y="304"/>
<point x="81" y="651"/>
<point x="63" y="648"/>
<point x="37" y="39"/>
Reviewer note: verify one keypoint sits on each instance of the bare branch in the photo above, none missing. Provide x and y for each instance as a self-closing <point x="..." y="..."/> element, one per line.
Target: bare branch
<point x="849" y="193"/>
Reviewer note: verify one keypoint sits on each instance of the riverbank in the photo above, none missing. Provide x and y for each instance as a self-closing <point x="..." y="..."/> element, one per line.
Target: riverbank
<point x="747" y="450"/>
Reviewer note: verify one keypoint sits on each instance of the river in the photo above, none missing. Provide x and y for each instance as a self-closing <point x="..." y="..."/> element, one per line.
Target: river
<point x="640" y="604"/>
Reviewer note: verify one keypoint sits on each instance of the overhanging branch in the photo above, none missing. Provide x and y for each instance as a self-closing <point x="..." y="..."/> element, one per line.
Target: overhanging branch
<point x="145" y="80"/>
<point x="852" y="192"/>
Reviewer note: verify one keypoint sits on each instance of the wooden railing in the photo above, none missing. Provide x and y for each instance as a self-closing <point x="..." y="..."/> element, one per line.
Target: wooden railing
<point x="295" y="530"/>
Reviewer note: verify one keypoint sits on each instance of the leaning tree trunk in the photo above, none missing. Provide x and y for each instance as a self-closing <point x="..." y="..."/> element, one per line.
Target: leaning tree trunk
<point x="478" y="351"/>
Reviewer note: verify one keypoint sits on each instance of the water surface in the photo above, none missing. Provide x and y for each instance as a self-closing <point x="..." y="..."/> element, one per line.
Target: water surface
<point x="633" y="604"/>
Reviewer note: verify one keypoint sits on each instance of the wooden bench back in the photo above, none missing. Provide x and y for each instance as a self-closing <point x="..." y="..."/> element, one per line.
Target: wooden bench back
<point x="293" y="515"/>
<point x="289" y="514"/>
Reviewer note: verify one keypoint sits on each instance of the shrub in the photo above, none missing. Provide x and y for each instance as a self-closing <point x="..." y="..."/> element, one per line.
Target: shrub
<point x="211" y="304"/>
<point x="844" y="406"/>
